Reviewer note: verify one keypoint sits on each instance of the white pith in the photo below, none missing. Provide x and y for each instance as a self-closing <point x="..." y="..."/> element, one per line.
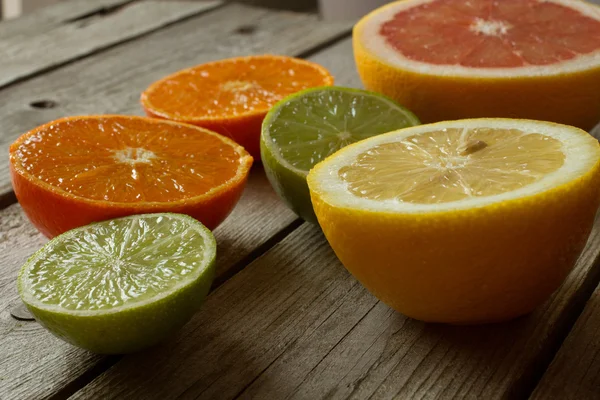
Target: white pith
<point x="377" y="45"/>
<point x="238" y="86"/>
<point x="26" y="283"/>
<point x="132" y="156"/>
<point x="490" y="27"/>
<point x="581" y="154"/>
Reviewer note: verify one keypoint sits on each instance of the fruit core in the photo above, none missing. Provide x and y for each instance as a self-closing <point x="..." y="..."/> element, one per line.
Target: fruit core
<point x="134" y="155"/>
<point x="452" y="165"/>
<point x="238" y="86"/>
<point x="489" y="27"/>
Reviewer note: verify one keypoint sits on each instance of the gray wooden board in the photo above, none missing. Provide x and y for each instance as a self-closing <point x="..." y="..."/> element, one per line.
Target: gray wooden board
<point x="25" y="55"/>
<point x="46" y="18"/>
<point x="111" y="81"/>
<point x="296" y="324"/>
<point x="33" y="363"/>
<point x="575" y="371"/>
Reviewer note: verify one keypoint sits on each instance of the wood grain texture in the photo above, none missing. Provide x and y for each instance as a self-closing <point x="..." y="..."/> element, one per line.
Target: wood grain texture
<point x="26" y="55"/>
<point x="295" y="324"/>
<point x="46" y="18"/>
<point x="575" y="371"/>
<point x="33" y="363"/>
<point x="111" y="81"/>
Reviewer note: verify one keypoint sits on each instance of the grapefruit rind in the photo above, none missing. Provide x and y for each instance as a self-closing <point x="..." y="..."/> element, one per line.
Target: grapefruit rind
<point x="367" y="32"/>
<point x="563" y="93"/>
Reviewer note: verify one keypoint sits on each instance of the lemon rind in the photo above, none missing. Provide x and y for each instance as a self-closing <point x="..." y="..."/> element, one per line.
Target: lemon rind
<point x="582" y="153"/>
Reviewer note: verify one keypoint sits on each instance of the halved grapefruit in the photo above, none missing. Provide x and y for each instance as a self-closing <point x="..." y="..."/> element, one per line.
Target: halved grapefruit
<point x="451" y="59"/>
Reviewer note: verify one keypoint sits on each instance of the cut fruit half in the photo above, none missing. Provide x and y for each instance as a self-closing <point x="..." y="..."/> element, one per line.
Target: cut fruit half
<point x="459" y="221"/>
<point x="451" y="59"/>
<point x="122" y="285"/>
<point x="307" y="127"/>
<point x="78" y="170"/>
<point x="232" y="96"/>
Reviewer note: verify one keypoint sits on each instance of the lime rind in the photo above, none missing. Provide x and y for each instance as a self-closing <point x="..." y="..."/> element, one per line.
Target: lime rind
<point x="149" y="257"/>
<point x="134" y="325"/>
<point x="328" y="124"/>
<point x="329" y="117"/>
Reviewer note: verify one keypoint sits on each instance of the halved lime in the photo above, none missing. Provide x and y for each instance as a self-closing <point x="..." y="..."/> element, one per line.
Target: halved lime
<point x="307" y="127"/>
<point x="122" y="285"/>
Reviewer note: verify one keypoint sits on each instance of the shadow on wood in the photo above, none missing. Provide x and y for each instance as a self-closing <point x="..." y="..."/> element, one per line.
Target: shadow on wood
<point x="291" y="5"/>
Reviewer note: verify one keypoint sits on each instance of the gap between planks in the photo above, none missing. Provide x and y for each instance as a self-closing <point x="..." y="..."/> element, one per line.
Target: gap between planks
<point x="225" y="274"/>
<point x="294" y="324"/>
<point x="27" y="351"/>
<point x="575" y="371"/>
<point x="8" y="198"/>
<point x="156" y="15"/>
<point x="45" y="18"/>
<point x="83" y="35"/>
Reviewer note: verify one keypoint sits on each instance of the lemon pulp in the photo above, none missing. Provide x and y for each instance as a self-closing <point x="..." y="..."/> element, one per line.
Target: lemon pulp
<point x="452" y="164"/>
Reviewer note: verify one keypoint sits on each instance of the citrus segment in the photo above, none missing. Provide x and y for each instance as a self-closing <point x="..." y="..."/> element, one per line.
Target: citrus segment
<point x="464" y="221"/>
<point x="450" y="59"/>
<point x="109" y="166"/>
<point x="232" y="96"/>
<point x="305" y="128"/>
<point x="121" y="285"/>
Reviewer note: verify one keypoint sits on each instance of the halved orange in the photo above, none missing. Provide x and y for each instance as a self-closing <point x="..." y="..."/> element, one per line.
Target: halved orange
<point x="78" y="170"/>
<point x="232" y="96"/>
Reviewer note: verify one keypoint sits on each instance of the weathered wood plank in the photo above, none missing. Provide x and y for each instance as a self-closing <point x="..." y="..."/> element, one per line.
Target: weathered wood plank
<point x="110" y="82"/>
<point x="46" y="18"/>
<point x="575" y="371"/>
<point x="25" y="55"/>
<point x="33" y="363"/>
<point x="296" y="324"/>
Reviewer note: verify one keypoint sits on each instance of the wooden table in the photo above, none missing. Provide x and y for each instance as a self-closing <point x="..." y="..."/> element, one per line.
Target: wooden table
<point x="285" y="319"/>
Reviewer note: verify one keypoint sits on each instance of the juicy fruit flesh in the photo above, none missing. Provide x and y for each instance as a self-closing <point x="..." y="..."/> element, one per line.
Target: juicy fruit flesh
<point x="120" y="262"/>
<point x="492" y="33"/>
<point x="233" y="87"/>
<point x="308" y="129"/>
<point x="452" y="164"/>
<point x="127" y="160"/>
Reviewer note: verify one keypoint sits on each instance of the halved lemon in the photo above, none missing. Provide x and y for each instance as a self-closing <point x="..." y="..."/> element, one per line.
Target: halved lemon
<point x="462" y="222"/>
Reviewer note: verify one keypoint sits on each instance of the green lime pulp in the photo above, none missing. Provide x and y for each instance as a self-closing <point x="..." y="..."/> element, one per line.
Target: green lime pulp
<point x="307" y="127"/>
<point x="121" y="285"/>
